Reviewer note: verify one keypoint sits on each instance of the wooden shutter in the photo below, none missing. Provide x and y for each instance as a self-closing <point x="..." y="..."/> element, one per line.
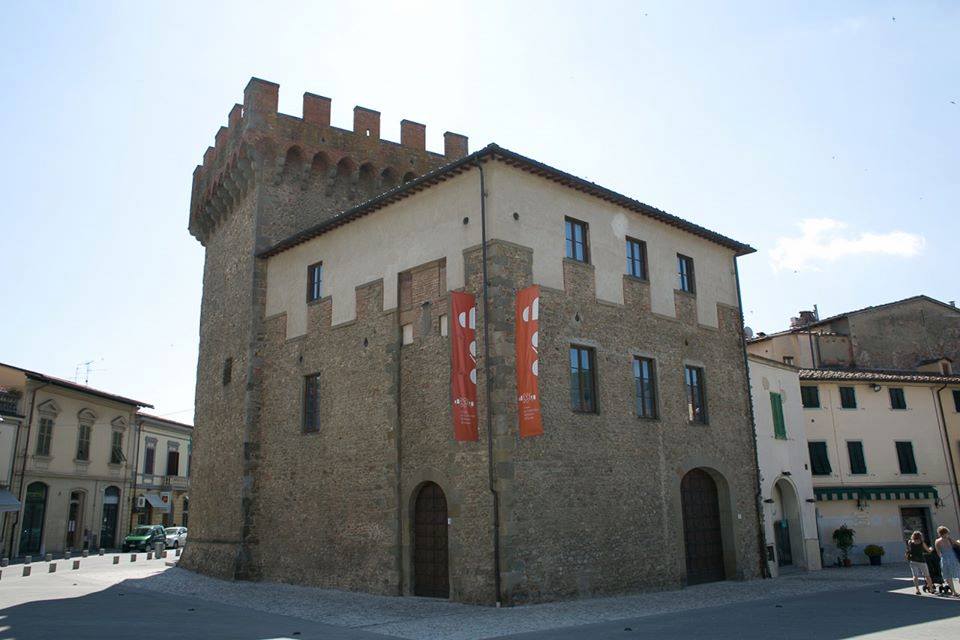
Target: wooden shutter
<point x="776" y="405"/>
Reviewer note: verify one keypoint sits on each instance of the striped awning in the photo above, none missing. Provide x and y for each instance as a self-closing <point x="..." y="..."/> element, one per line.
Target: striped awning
<point x="903" y="492"/>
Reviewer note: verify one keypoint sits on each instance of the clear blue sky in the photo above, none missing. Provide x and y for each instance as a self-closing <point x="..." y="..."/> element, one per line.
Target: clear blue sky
<point x="748" y="118"/>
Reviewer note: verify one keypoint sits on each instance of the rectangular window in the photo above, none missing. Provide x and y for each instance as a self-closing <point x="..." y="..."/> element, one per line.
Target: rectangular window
<point x="687" y="281"/>
<point x="311" y="403"/>
<point x="314" y="282"/>
<point x="83" y="443"/>
<point x="779" y="427"/>
<point x="643" y="377"/>
<point x="858" y="463"/>
<point x="696" y="395"/>
<point x="897" y="400"/>
<point x="810" y="396"/>
<point x="149" y="455"/>
<point x="116" y="448"/>
<point x="848" y="398"/>
<point x="956" y="400"/>
<point x="44" y="436"/>
<point x="819" y="461"/>
<point x="905" y="457"/>
<point x="637" y="258"/>
<point x="583" y="388"/>
<point x="173" y="462"/>
<point x="578" y="247"/>
<point x="788" y="360"/>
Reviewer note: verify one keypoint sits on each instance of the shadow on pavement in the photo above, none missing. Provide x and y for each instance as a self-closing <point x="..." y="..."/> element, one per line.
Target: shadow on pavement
<point x="124" y="611"/>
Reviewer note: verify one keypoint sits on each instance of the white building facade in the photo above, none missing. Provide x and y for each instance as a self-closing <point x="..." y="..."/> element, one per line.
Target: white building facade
<point x="789" y="510"/>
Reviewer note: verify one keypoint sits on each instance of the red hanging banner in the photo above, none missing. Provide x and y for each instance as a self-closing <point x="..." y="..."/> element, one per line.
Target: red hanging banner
<point x="528" y="361"/>
<point x="463" y="366"/>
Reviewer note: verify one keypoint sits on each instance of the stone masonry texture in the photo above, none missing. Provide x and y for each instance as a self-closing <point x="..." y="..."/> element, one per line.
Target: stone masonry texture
<point x="593" y="507"/>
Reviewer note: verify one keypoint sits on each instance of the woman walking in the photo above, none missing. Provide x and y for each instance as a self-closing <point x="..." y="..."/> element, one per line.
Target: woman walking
<point x="916" y="547"/>
<point x="949" y="566"/>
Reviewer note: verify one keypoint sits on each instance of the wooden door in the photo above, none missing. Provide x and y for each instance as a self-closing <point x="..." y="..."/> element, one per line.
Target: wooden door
<point x="701" y="528"/>
<point x="430" y="569"/>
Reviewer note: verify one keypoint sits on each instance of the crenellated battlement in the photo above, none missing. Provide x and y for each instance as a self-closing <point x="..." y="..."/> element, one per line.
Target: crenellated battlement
<point x="345" y="166"/>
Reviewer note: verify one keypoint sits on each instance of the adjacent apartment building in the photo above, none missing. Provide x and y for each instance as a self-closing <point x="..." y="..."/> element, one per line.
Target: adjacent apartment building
<point x="68" y="453"/>
<point x="790" y="515"/>
<point x="325" y="449"/>
<point x="881" y="408"/>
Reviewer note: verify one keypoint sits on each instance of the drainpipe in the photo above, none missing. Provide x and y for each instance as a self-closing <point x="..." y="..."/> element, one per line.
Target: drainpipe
<point x="761" y="539"/>
<point x="948" y="452"/>
<point x="23" y="466"/>
<point x="137" y="428"/>
<point x="486" y="372"/>
<point x="398" y="444"/>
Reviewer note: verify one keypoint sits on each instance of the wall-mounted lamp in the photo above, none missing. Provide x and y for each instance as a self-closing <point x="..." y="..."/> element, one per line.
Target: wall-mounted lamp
<point x="876" y="387"/>
<point x="786" y="473"/>
<point x="769" y="500"/>
<point x="811" y="500"/>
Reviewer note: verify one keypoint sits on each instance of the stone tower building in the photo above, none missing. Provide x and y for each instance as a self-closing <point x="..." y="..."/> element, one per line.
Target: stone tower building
<point x="324" y="450"/>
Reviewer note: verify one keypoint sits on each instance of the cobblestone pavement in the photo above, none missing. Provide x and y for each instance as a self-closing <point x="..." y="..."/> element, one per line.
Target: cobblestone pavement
<point x="268" y="610"/>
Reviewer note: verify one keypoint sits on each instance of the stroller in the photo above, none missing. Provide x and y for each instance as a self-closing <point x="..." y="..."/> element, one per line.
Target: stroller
<point x="940" y="587"/>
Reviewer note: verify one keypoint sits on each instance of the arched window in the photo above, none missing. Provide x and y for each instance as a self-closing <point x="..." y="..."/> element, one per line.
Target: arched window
<point x="368" y="175"/>
<point x="293" y="163"/>
<point x="345" y="168"/>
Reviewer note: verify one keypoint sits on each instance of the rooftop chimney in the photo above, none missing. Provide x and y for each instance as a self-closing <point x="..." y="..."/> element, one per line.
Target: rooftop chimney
<point x="805" y="318"/>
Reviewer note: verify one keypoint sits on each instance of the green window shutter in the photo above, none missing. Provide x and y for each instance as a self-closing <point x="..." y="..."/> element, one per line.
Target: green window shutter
<point x="776" y="405"/>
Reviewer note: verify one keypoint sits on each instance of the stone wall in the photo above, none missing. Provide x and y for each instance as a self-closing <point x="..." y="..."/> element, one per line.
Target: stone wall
<point x="900" y="336"/>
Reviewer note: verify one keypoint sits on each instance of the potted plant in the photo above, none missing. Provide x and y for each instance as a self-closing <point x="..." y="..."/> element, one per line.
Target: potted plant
<point x="843" y="538"/>
<point x="874" y="552"/>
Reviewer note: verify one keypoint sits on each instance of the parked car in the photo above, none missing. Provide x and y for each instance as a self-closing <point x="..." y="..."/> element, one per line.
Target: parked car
<point x="144" y="537"/>
<point x="176" y="536"/>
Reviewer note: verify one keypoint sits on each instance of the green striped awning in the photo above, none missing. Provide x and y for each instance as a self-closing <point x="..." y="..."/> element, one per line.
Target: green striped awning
<point x="902" y="492"/>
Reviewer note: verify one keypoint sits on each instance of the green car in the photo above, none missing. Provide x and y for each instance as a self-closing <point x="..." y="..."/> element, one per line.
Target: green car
<point x="145" y="537"/>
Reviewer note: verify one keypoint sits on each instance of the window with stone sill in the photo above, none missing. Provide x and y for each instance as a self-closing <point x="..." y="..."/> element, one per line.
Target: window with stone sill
<point x="83" y="442"/>
<point x="44" y="436"/>
<point x="116" y="448"/>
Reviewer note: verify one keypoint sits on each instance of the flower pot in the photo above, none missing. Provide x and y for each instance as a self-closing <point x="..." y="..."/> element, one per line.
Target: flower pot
<point x="875" y="561"/>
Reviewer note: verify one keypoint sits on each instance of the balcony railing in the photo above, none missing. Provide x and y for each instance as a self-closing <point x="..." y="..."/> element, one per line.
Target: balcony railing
<point x="175" y="482"/>
<point x="9" y="403"/>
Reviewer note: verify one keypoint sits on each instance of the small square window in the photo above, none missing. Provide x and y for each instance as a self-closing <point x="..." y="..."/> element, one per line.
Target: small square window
<point x="637" y="258"/>
<point x="687" y="281"/>
<point x="908" y="464"/>
<point x="311" y="403"/>
<point x="696" y="395"/>
<point x="583" y="383"/>
<point x="314" y="282"/>
<point x="897" y="399"/>
<point x="578" y="242"/>
<point x="848" y="398"/>
<point x="788" y="360"/>
<point x="644" y="378"/>
<point x="858" y="463"/>
<point x="819" y="460"/>
<point x="810" y="397"/>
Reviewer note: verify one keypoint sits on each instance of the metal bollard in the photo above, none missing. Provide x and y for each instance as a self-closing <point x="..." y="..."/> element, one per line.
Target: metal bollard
<point x="49" y="557"/>
<point x="27" y="559"/>
<point x="178" y="552"/>
<point x="149" y="555"/>
<point x="66" y="554"/>
<point x="4" y="562"/>
<point x="52" y="567"/>
<point x="76" y="565"/>
<point x="163" y="554"/>
<point x="26" y="570"/>
<point x="133" y="557"/>
<point x="86" y="553"/>
<point x="116" y="559"/>
<point x="102" y="550"/>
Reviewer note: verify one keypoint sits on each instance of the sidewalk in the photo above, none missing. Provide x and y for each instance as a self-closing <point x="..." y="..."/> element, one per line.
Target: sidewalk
<point x="425" y="618"/>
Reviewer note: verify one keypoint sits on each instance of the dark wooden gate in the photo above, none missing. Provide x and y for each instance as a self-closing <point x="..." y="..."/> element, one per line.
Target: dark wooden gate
<point x="781" y="529"/>
<point x="430" y="571"/>
<point x="701" y="528"/>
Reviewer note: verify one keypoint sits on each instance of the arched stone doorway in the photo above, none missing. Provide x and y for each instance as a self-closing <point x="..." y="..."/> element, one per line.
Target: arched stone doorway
<point x="702" y="527"/>
<point x="108" y="523"/>
<point x="34" y="513"/>
<point x="431" y="572"/>
<point x="787" y="527"/>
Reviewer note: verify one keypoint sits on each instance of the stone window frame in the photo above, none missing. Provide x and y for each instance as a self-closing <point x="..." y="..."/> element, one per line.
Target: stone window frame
<point x="150" y="443"/>
<point x="643" y="355"/>
<point x="86" y="418"/>
<point x="118" y="426"/>
<point x="311" y="381"/>
<point x="594" y="376"/>
<point x="48" y="410"/>
<point x="701" y="368"/>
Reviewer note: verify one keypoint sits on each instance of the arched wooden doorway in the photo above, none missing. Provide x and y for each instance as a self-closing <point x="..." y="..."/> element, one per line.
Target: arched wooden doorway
<point x="702" y="533"/>
<point x="431" y="575"/>
<point x="34" y="513"/>
<point x="108" y="523"/>
<point x="75" y="537"/>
